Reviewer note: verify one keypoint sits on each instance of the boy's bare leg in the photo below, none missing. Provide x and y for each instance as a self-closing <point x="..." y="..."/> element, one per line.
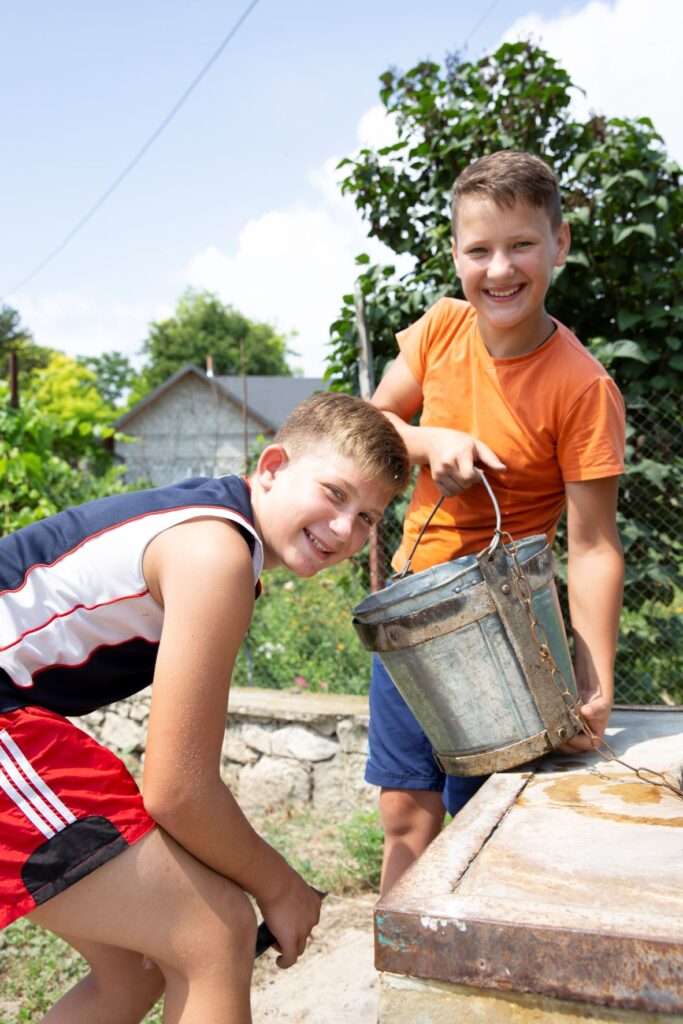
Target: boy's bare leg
<point x="118" y="989"/>
<point x="156" y="900"/>
<point x="411" y="819"/>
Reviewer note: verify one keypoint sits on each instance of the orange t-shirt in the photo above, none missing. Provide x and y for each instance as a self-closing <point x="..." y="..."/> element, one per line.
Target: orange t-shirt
<point x="552" y="416"/>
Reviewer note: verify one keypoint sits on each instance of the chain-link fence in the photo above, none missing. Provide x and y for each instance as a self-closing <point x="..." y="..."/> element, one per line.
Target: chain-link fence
<point x="650" y="656"/>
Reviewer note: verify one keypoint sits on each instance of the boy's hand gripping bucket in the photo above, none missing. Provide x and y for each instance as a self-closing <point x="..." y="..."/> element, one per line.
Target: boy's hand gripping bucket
<point x="477" y="648"/>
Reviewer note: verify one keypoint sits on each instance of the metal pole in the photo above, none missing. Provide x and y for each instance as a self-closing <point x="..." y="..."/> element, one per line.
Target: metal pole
<point x="245" y="433"/>
<point x="366" y="380"/>
<point x="366" y="375"/>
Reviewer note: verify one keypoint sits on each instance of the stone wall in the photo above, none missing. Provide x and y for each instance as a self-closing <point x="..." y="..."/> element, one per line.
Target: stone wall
<point x="281" y="749"/>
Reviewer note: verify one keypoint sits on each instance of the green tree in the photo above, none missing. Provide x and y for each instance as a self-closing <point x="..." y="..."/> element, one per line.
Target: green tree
<point x="202" y="326"/>
<point x="48" y="463"/>
<point x="620" y="291"/>
<point x="114" y="375"/>
<point x="14" y="337"/>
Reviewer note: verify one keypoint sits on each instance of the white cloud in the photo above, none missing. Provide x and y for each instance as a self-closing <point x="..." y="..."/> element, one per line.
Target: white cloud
<point x="290" y="267"/>
<point x="624" y="54"/>
<point x="376" y="128"/>
<point x="83" y="326"/>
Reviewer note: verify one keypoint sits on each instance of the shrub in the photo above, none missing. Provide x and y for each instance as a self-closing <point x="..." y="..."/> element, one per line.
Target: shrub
<point x="301" y="634"/>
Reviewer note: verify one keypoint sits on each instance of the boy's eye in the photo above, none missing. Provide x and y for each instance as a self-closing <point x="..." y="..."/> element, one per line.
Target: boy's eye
<point x="523" y="245"/>
<point x="478" y="250"/>
<point x="367" y="519"/>
<point x="335" y="492"/>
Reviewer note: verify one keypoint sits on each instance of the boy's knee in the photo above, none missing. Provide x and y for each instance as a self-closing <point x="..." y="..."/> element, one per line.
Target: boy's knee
<point x="226" y="925"/>
<point x="406" y="811"/>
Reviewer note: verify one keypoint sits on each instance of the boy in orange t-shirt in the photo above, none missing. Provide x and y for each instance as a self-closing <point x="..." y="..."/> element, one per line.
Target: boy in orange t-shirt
<point x="498" y="367"/>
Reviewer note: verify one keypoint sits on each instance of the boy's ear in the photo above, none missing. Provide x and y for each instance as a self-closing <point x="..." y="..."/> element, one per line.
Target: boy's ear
<point x="454" y="254"/>
<point x="564" y="241"/>
<point x="271" y="460"/>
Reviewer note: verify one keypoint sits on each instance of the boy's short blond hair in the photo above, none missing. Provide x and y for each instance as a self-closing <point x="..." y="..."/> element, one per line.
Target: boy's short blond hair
<point x="507" y="177"/>
<point x="355" y="429"/>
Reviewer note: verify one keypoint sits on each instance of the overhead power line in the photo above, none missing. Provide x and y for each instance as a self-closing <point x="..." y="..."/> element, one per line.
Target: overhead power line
<point x="130" y="166"/>
<point x="473" y="31"/>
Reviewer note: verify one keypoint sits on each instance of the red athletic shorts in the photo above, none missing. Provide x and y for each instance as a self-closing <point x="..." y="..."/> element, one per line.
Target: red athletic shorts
<point x="67" y="805"/>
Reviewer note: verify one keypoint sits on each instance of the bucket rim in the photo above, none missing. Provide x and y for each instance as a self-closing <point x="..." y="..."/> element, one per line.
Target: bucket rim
<point x="439" y="577"/>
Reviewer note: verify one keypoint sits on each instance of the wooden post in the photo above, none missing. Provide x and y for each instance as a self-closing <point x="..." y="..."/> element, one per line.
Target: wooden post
<point x="366" y="379"/>
<point x="245" y="428"/>
<point x="13" y="380"/>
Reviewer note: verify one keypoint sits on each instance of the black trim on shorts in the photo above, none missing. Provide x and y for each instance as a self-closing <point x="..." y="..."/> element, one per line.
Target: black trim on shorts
<point x="70" y="855"/>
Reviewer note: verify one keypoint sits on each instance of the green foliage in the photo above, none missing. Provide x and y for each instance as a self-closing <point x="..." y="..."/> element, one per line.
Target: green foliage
<point x="301" y="635"/>
<point x="621" y="194"/>
<point x="36" y="968"/>
<point x="620" y="291"/>
<point x="336" y="857"/>
<point x="651" y="650"/>
<point x="363" y="841"/>
<point x="17" y="338"/>
<point x="48" y="463"/>
<point x="114" y="375"/>
<point x="202" y="326"/>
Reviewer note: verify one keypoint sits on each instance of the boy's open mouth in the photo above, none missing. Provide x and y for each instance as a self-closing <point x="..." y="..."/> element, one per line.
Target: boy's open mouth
<point x="316" y="543"/>
<point x="504" y="293"/>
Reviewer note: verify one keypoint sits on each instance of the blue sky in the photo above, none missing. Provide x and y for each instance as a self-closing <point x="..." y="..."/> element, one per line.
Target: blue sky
<point x="238" y="194"/>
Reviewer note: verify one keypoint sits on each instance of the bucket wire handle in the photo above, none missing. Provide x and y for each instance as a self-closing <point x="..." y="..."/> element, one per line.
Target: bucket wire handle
<point x="407" y="567"/>
<point x="498" y="531"/>
<point x="493" y="544"/>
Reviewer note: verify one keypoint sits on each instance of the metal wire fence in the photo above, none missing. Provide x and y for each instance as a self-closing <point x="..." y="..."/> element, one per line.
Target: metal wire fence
<point x="650" y="654"/>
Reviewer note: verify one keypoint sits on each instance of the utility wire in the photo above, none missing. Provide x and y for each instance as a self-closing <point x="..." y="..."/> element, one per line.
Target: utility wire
<point x="141" y="152"/>
<point x="481" y="21"/>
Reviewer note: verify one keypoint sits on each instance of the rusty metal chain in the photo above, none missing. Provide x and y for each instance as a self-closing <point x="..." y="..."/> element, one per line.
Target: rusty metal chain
<point x="524" y="594"/>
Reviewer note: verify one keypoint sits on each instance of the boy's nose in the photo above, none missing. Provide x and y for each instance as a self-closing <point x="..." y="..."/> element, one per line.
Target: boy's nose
<point x="500" y="265"/>
<point x="342" y="526"/>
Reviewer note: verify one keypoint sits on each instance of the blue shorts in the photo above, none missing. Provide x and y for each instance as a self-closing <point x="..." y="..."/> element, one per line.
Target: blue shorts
<point x="400" y="755"/>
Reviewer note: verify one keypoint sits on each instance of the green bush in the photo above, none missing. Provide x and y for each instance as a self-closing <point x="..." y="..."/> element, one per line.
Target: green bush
<point x="48" y="464"/>
<point x="650" y="652"/>
<point x="301" y="634"/>
<point x="363" y="841"/>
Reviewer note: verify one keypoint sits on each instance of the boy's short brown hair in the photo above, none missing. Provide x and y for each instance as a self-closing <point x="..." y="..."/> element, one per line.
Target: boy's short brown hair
<point x="507" y="177"/>
<point x="355" y="429"/>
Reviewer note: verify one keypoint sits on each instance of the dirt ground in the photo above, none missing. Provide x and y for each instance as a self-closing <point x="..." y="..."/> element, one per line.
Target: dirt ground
<point x="334" y="982"/>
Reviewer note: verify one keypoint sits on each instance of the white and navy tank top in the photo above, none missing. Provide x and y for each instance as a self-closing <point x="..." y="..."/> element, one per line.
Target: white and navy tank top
<point x="78" y="625"/>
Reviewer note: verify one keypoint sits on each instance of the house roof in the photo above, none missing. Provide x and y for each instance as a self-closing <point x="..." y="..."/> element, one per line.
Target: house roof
<point x="269" y="399"/>
<point x="273" y="397"/>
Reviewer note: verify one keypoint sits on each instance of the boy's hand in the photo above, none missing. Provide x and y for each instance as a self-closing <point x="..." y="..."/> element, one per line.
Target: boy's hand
<point x="596" y="711"/>
<point x="291" y="917"/>
<point x="453" y="457"/>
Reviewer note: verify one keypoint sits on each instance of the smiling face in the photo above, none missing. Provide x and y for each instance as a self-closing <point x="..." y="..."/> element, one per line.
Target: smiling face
<point x="504" y="257"/>
<point x="314" y="510"/>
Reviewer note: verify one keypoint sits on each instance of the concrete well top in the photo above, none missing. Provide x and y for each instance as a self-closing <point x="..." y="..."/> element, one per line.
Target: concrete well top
<point x="563" y="879"/>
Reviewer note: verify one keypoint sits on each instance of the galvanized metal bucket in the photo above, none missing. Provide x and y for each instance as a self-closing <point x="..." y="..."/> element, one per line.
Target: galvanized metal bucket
<point x="457" y="641"/>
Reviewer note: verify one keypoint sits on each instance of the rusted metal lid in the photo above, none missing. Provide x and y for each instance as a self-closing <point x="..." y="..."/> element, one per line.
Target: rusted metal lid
<point x="566" y="882"/>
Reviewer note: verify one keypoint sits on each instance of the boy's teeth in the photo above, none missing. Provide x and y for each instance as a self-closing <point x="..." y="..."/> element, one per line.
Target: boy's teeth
<point x="316" y="543"/>
<point x="503" y="295"/>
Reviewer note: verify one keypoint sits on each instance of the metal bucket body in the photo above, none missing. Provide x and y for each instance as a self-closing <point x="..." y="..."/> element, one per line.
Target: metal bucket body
<point x="457" y="643"/>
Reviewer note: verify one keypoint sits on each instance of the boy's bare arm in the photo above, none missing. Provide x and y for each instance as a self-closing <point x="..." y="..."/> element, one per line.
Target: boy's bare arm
<point x="450" y="454"/>
<point x="202" y="573"/>
<point x="596" y="576"/>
